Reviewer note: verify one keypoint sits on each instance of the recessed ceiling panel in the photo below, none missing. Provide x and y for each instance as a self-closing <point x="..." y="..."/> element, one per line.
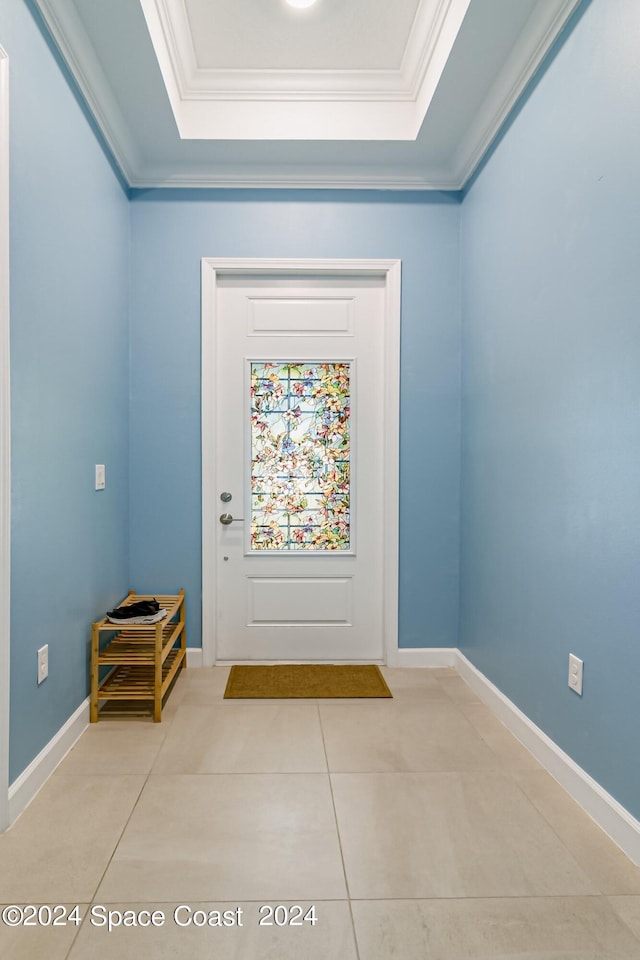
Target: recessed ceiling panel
<point x="269" y="35"/>
<point x="315" y="85"/>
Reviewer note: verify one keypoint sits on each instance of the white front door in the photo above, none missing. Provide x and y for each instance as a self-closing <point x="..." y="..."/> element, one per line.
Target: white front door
<point x="299" y="467"/>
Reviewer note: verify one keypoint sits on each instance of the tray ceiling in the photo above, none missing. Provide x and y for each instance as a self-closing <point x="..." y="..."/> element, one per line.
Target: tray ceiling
<point x="348" y="93"/>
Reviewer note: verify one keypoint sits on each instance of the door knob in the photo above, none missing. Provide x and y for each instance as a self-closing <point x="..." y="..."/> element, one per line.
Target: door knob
<point x="226" y="519"/>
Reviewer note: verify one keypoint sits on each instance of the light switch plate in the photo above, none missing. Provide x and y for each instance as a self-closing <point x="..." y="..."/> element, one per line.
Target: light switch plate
<point x="43" y="663"/>
<point x="575" y="673"/>
<point x="100" y="476"/>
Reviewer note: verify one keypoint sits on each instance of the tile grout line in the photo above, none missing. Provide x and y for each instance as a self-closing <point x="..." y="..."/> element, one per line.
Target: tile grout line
<point x="115" y="847"/>
<point x="335" y="815"/>
<point x="117" y="843"/>
<point x="622" y="919"/>
<point x="101" y="878"/>
<point x="133" y="808"/>
<point x="512" y="775"/>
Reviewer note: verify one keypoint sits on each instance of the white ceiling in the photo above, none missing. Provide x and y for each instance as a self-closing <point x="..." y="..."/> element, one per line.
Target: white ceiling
<point x="349" y="93"/>
<point x="269" y="35"/>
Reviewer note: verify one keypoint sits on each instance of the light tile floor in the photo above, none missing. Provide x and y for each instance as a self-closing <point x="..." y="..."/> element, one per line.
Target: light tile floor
<point x="417" y="827"/>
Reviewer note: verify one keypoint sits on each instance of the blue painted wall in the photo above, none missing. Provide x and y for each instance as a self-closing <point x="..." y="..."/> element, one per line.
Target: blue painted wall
<point x="171" y="232"/>
<point x="551" y="402"/>
<point x="69" y="369"/>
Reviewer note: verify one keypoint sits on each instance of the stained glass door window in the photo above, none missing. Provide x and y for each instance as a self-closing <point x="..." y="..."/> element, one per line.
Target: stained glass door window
<point x="300" y="456"/>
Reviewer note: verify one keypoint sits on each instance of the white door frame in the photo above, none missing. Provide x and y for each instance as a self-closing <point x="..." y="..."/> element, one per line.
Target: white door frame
<point x="390" y="270"/>
<point x="5" y="444"/>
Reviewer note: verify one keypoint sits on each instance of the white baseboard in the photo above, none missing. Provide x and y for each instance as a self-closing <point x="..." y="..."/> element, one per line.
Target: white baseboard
<point x="23" y="790"/>
<point x="194" y="657"/>
<point x="424" y="657"/>
<point x="610" y="815"/>
<point x="404" y="657"/>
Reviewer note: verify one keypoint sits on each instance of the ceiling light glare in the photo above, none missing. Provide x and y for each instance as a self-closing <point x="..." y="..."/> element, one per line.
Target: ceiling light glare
<point x="300" y="4"/>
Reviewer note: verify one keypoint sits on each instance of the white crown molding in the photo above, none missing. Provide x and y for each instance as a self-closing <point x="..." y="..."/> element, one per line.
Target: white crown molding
<point x="423" y="39"/>
<point x="360" y="86"/>
<point x="235" y="178"/>
<point x="429" y="47"/>
<point x="5" y="445"/>
<point x="173" y="49"/>
<point x="543" y="29"/>
<point x="71" y="39"/>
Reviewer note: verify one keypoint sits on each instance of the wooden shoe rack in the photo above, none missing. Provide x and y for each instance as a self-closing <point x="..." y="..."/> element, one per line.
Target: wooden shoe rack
<point x="142" y="659"/>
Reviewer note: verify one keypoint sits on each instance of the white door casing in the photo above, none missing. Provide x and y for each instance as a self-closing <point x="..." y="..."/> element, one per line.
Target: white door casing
<point x="332" y="605"/>
<point x="5" y="444"/>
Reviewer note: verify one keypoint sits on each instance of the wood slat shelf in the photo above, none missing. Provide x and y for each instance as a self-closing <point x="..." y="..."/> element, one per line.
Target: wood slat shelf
<point x="145" y="658"/>
<point x="132" y="682"/>
<point x="138" y="647"/>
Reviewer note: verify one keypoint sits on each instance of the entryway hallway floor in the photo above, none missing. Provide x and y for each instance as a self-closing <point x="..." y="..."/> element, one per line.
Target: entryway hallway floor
<point x="415" y="828"/>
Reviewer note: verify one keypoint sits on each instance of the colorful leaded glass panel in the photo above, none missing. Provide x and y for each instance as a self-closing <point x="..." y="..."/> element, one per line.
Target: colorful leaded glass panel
<point x="300" y="456"/>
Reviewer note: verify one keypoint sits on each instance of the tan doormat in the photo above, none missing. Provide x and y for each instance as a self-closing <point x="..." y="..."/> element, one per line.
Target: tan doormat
<point x="284" y="681"/>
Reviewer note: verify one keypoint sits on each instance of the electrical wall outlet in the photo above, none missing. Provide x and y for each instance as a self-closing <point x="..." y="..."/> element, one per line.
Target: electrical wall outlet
<point x="575" y="674"/>
<point x="43" y="663"/>
<point x="100" y="476"/>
